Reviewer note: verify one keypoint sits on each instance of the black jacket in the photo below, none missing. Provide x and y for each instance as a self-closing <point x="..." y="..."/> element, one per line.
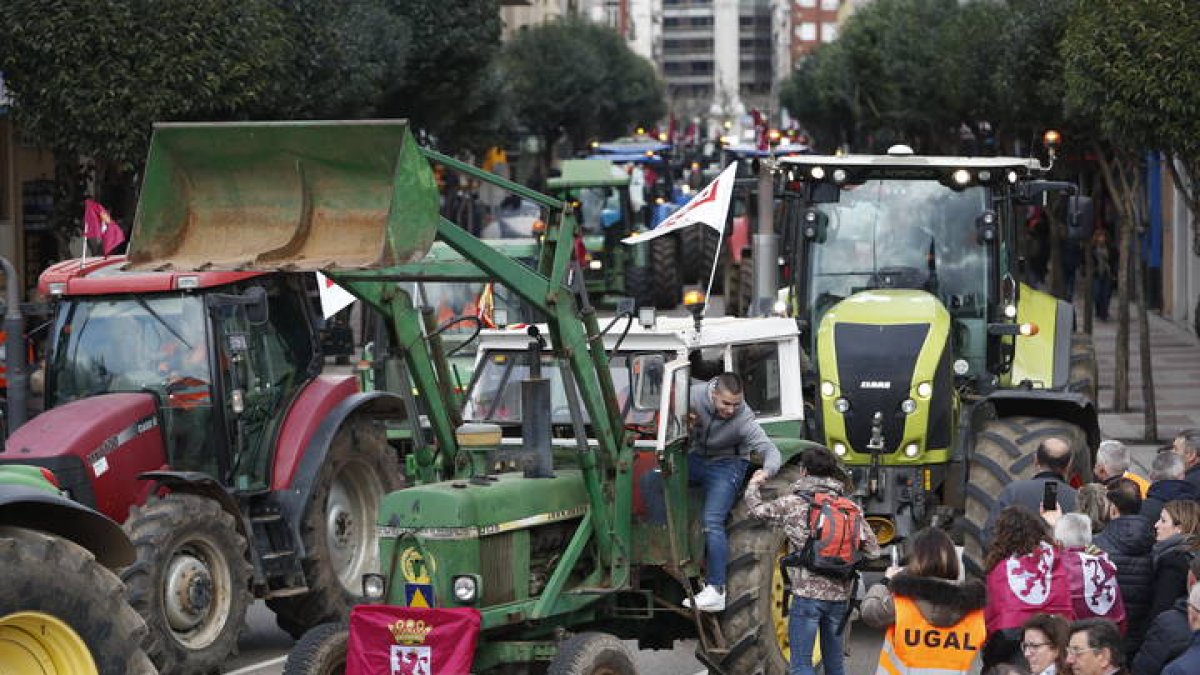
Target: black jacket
<point x="1172" y="557"/>
<point x="1163" y="491"/>
<point x="1168" y="636"/>
<point x="1028" y="492"/>
<point x="1192" y="476"/>
<point x="1128" y="540"/>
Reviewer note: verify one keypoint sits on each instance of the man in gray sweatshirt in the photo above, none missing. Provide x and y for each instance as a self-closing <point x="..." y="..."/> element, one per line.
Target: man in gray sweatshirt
<point x="724" y="433"/>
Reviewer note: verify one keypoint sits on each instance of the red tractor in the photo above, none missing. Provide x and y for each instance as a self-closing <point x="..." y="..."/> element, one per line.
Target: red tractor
<point x="192" y="408"/>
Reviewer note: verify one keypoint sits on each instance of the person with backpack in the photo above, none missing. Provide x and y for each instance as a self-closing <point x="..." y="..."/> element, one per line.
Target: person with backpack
<point x="829" y="537"/>
<point x="932" y="618"/>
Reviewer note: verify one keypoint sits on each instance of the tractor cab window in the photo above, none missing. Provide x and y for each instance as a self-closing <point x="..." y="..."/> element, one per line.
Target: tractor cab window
<point x="495" y="394"/>
<point x="600" y="208"/>
<point x="129" y="343"/>
<point x="758" y="365"/>
<point x="903" y="234"/>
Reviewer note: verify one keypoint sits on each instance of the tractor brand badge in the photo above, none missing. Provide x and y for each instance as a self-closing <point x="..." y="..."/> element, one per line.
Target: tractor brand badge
<point x="410" y="656"/>
<point x="414" y="567"/>
<point x="874" y="384"/>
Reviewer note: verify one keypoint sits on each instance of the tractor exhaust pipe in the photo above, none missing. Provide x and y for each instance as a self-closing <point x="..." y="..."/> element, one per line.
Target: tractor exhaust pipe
<point x="535" y="418"/>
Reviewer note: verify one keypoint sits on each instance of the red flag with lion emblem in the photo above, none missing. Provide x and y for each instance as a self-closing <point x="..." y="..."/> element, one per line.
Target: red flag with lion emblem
<point x="393" y="640"/>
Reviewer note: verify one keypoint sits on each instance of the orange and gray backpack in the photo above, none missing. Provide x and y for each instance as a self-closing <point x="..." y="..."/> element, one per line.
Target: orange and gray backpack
<point x="834" y="546"/>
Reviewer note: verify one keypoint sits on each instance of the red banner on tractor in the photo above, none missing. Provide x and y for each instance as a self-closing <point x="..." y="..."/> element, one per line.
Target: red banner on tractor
<point x="391" y="640"/>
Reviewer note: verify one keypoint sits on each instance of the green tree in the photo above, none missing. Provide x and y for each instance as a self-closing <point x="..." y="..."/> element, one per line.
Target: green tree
<point x="449" y="88"/>
<point x="577" y="78"/>
<point x="1134" y="68"/>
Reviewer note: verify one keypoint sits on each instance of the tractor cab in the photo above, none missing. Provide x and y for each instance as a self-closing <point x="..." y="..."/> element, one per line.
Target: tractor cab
<point x="220" y="363"/>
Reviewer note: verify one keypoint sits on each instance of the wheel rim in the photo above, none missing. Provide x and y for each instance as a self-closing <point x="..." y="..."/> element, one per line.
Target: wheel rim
<point x="350" y="524"/>
<point x="779" y="620"/>
<point x="196" y="594"/>
<point x="33" y="643"/>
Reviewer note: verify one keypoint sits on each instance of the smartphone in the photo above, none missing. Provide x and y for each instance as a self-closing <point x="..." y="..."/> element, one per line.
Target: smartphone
<point x="1050" y="496"/>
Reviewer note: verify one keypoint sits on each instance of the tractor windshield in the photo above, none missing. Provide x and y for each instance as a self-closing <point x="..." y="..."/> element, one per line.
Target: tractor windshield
<point x="496" y="392"/>
<point x="903" y="234"/>
<point x="128" y="344"/>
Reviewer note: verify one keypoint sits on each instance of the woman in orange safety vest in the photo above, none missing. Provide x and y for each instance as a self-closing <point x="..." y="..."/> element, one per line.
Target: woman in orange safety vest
<point x="934" y="621"/>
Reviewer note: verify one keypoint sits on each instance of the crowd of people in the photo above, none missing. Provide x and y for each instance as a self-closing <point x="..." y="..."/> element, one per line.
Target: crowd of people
<point x="1090" y="580"/>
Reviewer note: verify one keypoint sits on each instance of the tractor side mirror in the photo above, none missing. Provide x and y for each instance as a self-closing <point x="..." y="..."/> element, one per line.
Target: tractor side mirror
<point x="1079" y="218"/>
<point x="985" y="228"/>
<point x="646" y="380"/>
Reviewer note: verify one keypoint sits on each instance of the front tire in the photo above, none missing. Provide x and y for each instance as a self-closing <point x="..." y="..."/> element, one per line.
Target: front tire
<point x="339" y="526"/>
<point x="1004" y="452"/>
<point x="320" y="651"/>
<point x="664" y="268"/>
<point x="63" y="613"/>
<point x="592" y="654"/>
<point x="190" y="581"/>
<point x="753" y="621"/>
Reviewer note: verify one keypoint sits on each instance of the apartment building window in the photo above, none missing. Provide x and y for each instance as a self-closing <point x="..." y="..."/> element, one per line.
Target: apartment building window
<point x="829" y="32"/>
<point x="807" y="31"/>
<point x="806" y="3"/>
<point x="830" y="5"/>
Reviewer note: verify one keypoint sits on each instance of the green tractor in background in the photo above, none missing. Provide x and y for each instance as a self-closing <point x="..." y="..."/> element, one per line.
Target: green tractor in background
<point x="936" y="373"/>
<point x="598" y="191"/>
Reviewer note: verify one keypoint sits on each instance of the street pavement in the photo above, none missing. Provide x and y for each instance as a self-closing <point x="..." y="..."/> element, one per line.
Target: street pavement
<point x="1175" y="358"/>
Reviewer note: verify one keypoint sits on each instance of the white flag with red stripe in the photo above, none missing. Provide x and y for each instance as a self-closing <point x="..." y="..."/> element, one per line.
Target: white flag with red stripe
<point x="710" y="206"/>
<point x="334" y="298"/>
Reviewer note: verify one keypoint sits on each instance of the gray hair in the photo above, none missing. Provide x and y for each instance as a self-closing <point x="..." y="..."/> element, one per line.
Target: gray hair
<point x="1167" y="465"/>
<point x="1073" y="530"/>
<point x="1113" y="456"/>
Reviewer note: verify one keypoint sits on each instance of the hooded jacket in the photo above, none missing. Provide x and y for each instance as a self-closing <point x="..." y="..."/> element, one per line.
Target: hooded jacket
<point x="740" y="435"/>
<point x="791" y="511"/>
<point x="1128" y="540"/>
<point x="1163" y="491"/>
<point x="946" y="610"/>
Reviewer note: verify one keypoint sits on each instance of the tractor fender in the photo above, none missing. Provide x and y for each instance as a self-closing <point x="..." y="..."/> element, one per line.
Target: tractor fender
<point x="39" y="509"/>
<point x="1069" y="406"/>
<point x="294" y="498"/>
<point x="200" y="484"/>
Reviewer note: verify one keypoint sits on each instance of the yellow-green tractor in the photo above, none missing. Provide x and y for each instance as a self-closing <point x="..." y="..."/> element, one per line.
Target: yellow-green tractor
<point x="936" y="372"/>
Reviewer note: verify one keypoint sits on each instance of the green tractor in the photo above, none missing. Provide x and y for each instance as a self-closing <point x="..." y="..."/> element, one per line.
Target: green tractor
<point x="61" y="607"/>
<point x="531" y="518"/>
<point x="936" y="372"/>
<point x="598" y="191"/>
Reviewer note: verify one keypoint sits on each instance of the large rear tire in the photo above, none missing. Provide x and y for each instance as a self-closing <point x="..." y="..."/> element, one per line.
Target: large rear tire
<point x="664" y="268"/>
<point x="339" y="526"/>
<point x="639" y="287"/>
<point x="691" y="255"/>
<point x="592" y="654"/>
<point x="753" y="621"/>
<point x="1004" y="452"/>
<point x="63" y="613"/>
<point x="320" y="651"/>
<point x="1084" y="377"/>
<point x="190" y="581"/>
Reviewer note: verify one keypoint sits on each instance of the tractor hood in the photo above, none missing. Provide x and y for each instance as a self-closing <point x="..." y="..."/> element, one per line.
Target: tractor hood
<point x="97" y="447"/>
<point x="466" y="509"/>
<point x="296" y="196"/>
<point x="878" y="349"/>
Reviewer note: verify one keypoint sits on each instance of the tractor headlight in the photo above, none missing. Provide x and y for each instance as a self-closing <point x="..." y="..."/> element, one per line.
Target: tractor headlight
<point x="827" y="388"/>
<point x="961" y="367"/>
<point x="908" y="406"/>
<point x="925" y="389"/>
<point x="466" y="588"/>
<point x="374" y="586"/>
<point x="841" y="405"/>
<point x="1010" y="311"/>
<point x="912" y="450"/>
<point x="596" y="264"/>
<point x="839" y="449"/>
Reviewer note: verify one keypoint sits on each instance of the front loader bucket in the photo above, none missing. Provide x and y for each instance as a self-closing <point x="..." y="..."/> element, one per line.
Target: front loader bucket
<point x="283" y="196"/>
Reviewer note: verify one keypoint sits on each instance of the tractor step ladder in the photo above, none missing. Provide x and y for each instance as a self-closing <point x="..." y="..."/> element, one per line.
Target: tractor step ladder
<point x="276" y="551"/>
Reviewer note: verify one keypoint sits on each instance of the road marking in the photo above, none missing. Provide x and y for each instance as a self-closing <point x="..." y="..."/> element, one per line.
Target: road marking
<point x="258" y="666"/>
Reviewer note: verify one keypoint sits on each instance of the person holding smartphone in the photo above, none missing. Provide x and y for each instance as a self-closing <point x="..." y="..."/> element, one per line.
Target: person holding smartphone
<point x="1052" y="464"/>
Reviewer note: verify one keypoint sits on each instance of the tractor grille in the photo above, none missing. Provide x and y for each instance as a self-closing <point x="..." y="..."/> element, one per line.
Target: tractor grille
<point x="875" y="369"/>
<point x="496" y="568"/>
